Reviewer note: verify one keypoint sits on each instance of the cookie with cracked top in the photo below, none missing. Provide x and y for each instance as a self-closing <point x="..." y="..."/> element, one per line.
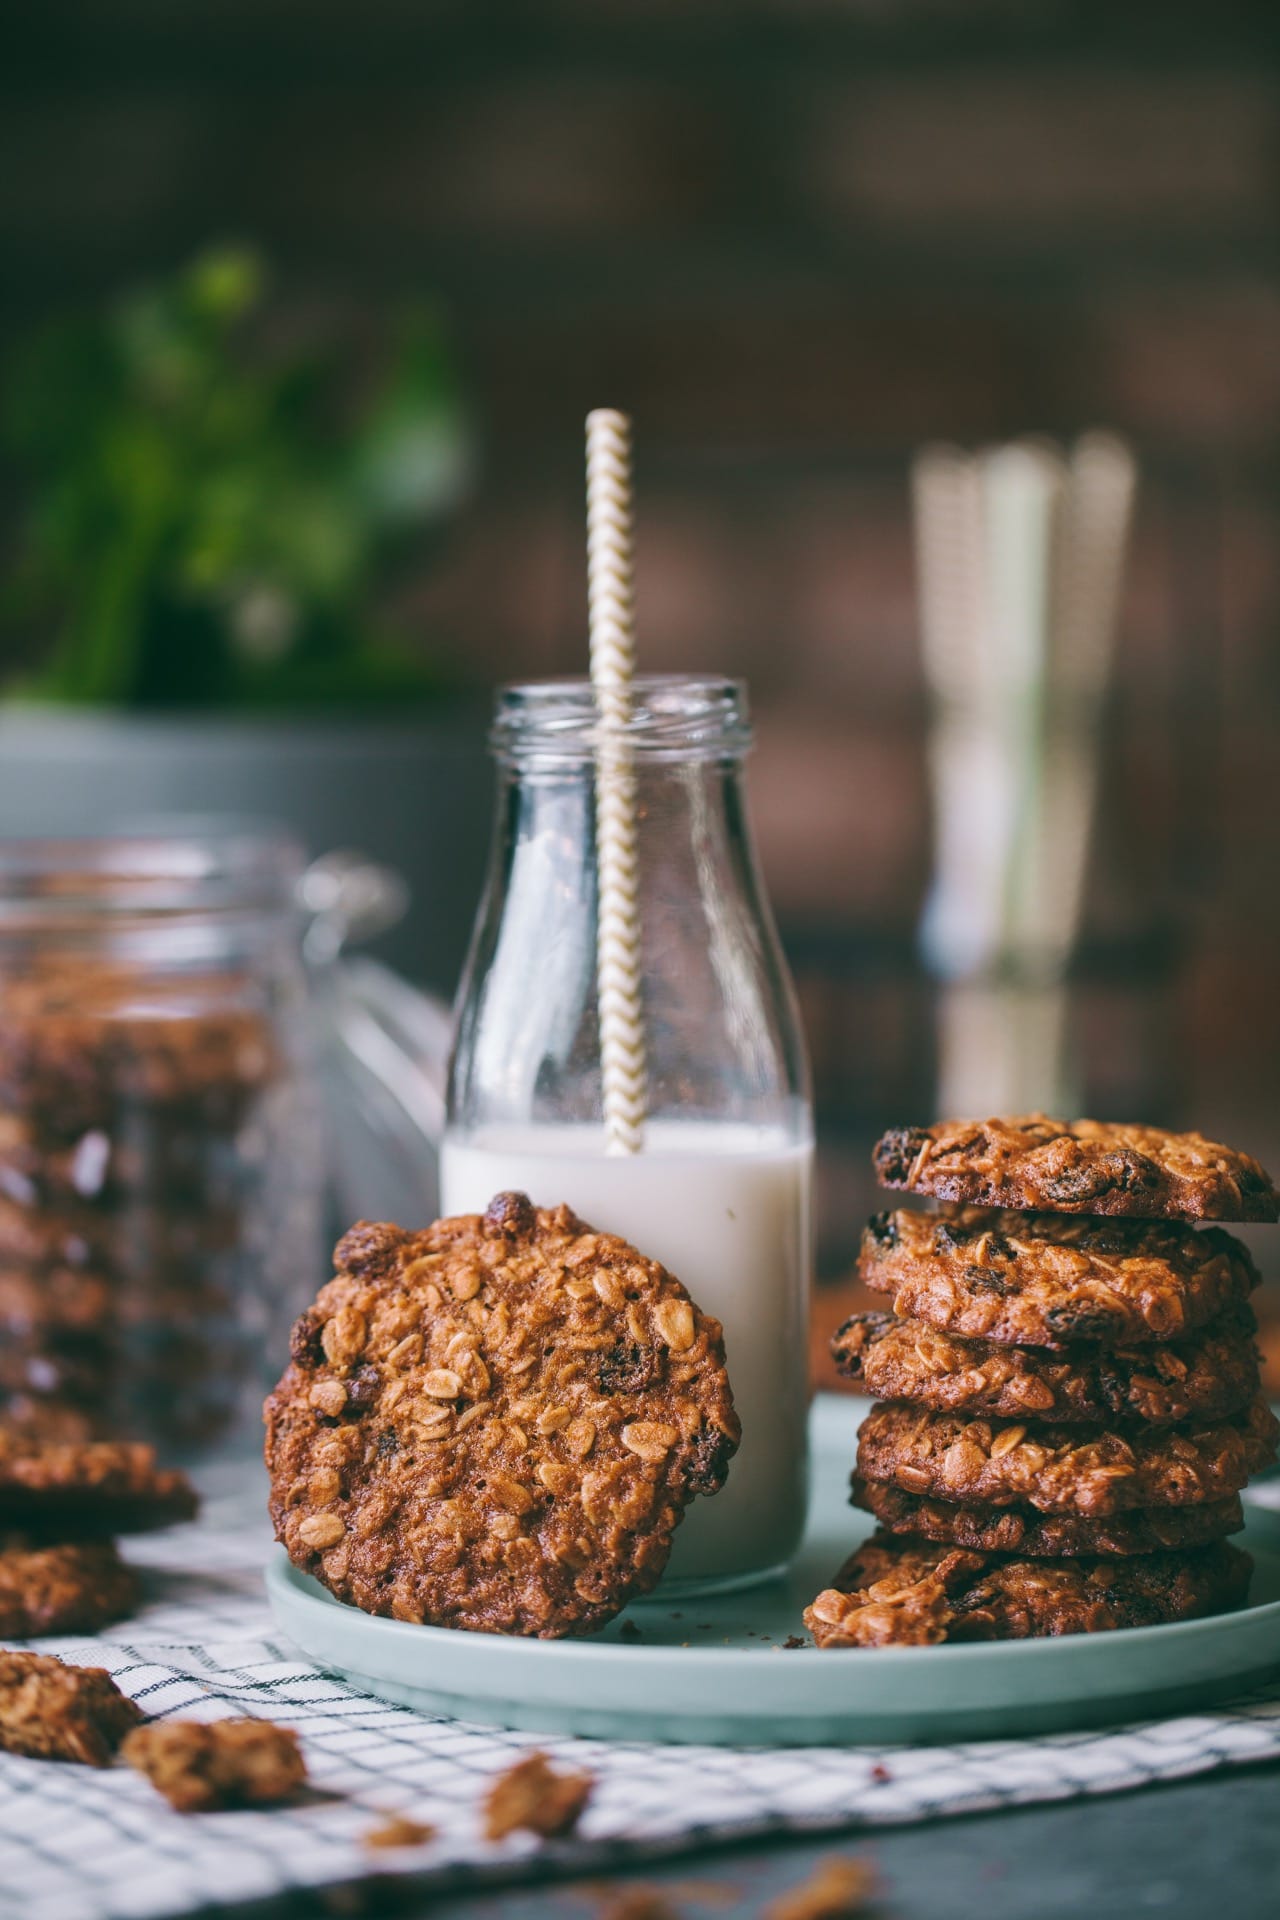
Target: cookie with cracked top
<point x="911" y="1593"/>
<point x="69" y="1490"/>
<point x="497" y="1423"/>
<point x="1003" y="1463"/>
<point x="1077" y="1166"/>
<point x="1204" y="1376"/>
<point x="73" y="1588"/>
<point x="1050" y="1280"/>
<point x="1047" y="1535"/>
<point x="53" y="1711"/>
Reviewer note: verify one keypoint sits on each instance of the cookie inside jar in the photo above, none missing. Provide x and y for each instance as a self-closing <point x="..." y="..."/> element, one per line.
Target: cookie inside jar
<point x="159" y="1170"/>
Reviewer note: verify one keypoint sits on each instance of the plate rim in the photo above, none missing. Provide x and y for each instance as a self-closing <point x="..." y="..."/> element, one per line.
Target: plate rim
<point x="302" y="1589"/>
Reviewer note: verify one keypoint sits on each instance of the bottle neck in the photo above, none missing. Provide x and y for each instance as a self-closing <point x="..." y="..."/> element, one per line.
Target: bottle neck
<point x="550" y="725"/>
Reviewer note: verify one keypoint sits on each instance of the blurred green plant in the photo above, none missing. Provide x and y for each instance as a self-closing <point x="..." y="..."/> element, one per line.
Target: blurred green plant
<point x="208" y="523"/>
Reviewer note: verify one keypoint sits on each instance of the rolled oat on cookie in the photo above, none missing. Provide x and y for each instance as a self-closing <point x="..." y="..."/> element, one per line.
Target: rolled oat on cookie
<point x="496" y="1423"/>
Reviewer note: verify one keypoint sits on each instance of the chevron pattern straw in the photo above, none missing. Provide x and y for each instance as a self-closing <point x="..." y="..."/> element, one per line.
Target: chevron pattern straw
<point x="611" y="609"/>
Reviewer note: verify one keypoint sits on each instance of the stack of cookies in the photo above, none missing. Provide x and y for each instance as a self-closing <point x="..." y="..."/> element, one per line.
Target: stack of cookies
<point x="131" y="1186"/>
<point x="1068" y="1385"/>
<point x="60" y="1505"/>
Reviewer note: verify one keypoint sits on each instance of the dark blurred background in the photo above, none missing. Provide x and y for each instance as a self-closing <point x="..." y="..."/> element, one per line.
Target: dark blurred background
<point x="795" y="239"/>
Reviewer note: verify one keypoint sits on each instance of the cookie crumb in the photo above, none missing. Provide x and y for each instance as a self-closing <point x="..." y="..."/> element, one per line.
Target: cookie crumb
<point x="202" y="1765"/>
<point x="629" y="1631"/>
<point x="880" y="1773"/>
<point x="792" y="1641"/>
<point x="639" y="1902"/>
<point x="397" y="1831"/>
<point x="841" y="1887"/>
<point x="532" y="1797"/>
<point x="52" y="1711"/>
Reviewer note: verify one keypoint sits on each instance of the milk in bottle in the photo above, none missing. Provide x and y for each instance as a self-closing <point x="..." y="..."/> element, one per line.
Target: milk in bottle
<point x="720" y="1192"/>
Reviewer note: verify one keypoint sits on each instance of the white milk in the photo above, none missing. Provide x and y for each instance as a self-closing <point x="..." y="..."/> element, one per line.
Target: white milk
<point x="726" y="1209"/>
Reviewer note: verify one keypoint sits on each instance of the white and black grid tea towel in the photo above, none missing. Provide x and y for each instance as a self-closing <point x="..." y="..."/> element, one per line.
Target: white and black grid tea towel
<point x="78" y="1844"/>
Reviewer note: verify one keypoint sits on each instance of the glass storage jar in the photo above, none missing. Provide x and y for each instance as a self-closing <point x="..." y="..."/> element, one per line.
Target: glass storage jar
<point x="160" y="1155"/>
<point x="720" y="1192"/>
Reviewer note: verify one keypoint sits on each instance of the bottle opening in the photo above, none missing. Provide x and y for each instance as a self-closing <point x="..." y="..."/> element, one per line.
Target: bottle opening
<point x="673" y="717"/>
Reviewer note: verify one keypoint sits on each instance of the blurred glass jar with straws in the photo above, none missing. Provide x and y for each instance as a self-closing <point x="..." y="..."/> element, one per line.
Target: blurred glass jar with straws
<point x="160" y="1160"/>
<point x="719" y="1188"/>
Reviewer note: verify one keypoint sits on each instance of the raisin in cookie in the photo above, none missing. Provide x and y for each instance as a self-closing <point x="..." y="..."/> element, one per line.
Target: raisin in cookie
<point x="1051" y="1535"/>
<point x="74" y="1588"/>
<point x="1000" y="1463"/>
<point x="1206" y="1376"/>
<point x="1080" y="1166"/>
<point x="907" y="1593"/>
<point x="1047" y="1279"/>
<point x="497" y="1423"/>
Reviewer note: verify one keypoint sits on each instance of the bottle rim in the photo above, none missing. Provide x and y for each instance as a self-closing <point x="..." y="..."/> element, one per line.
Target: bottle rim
<point x="675" y="716"/>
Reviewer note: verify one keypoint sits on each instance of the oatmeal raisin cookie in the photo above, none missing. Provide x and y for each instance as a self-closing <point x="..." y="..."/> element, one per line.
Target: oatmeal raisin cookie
<point x="1024" y="1529"/>
<point x="74" y="1588"/>
<point x="1078" y="1166"/>
<point x="50" y="1711"/>
<point x="496" y="1423"/>
<point x="82" y="1491"/>
<point x="1048" y="1280"/>
<point x="1002" y="1463"/>
<point x="907" y="1593"/>
<point x="1204" y="1376"/>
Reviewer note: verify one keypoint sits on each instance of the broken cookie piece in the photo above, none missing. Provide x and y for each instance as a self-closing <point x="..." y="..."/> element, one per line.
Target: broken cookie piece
<point x="199" y="1766"/>
<point x="532" y="1797"/>
<point x="51" y="1711"/>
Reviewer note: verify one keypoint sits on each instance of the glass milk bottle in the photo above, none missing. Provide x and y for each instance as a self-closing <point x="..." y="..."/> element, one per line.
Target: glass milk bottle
<point x="720" y="1192"/>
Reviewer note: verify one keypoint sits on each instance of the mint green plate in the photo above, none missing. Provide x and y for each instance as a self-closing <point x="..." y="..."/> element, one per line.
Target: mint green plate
<point x="713" y="1671"/>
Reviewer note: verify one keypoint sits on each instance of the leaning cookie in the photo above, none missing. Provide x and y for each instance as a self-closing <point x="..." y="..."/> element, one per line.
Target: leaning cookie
<point x="907" y="1593"/>
<point x="1047" y="1535"/>
<point x="1000" y="1463"/>
<point x="1078" y="1166"/>
<point x="1048" y="1280"/>
<point x="1206" y="1376"/>
<point x="496" y="1424"/>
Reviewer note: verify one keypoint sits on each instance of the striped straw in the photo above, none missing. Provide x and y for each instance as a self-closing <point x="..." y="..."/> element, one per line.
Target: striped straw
<point x="613" y="657"/>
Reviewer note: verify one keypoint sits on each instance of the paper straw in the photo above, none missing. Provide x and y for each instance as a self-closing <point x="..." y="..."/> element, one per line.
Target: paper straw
<point x="613" y="657"/>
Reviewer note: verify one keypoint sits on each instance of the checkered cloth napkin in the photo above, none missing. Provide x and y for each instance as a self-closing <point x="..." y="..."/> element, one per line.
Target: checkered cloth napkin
<point x="77" y="1844"/>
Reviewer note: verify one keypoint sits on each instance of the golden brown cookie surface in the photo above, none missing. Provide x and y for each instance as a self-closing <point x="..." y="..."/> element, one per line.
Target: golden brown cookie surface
<point x="1024" y="1529"/>
<point x="909" y="1593"/>
<point x="1078" y="1166"/>
<point x="51" y="1711"/>
<point x="73" y="1588"/>
<point x="1048" y="1280"/>
<point x="1205" y="1376"/>
<point x="201" y="1765"/>
<point x="67" y="1490"/>
<point x="1003" y="1463"/>
<point x="497" y="1423"/>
